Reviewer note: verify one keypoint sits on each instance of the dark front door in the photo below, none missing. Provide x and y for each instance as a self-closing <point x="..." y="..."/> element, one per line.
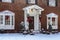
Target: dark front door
<point x="31" y="22"/>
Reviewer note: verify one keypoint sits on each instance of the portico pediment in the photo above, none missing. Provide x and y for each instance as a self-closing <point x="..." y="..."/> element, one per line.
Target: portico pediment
<point x="33" y="9"/>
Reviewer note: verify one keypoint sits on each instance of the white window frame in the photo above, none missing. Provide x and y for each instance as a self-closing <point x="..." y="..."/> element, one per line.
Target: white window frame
<point x="31" y="1"/>
<point x="52" y="15"/>
<point x="9" y="1"/>
<point x="1" y="20"/>
<point x="9" y="26"/>
<point x="52" y="3"/>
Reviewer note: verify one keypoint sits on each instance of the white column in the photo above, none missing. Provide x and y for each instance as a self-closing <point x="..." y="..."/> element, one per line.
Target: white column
<point x="36" y="22"/>
<point x="25" y="20"/>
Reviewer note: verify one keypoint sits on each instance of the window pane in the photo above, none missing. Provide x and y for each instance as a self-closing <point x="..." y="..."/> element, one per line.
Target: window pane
<point x="53" y="21"/>
<point x="1" y="19"/>
<point x="12" y="20"/>
<point x="52" y="3"/>
<point x="31" y="1"/>
<point x="7" y="20"/>
<point x="7" y="1"/>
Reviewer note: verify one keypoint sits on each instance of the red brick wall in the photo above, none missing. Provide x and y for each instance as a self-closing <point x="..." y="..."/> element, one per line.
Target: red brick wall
<point x="18" y="5"/>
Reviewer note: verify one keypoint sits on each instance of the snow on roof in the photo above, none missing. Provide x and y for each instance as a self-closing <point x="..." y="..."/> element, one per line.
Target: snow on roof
<point x="33" y="6"/>
<point x="6" y="12"/>
<point x="52" y="15"/>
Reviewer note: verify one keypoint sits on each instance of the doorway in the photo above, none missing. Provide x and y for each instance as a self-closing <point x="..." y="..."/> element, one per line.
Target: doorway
<point x="31" y="22"/>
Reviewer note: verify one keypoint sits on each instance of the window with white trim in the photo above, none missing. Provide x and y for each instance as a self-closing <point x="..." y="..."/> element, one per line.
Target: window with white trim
<point x="7" y="20"/>
<point x="32" y="1"/>
<point x="9" y="1"/>
<point x="52" y="3"/>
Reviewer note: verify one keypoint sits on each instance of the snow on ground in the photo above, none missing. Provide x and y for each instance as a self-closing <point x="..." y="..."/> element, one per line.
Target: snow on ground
<point x="18" y="36"/>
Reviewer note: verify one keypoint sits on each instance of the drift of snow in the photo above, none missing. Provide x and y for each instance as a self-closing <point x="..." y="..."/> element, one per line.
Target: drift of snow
<point x="18" y="36"/>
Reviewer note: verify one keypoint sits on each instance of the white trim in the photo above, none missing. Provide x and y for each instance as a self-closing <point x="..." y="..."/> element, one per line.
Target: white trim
<point x="31" y="1"/>
<point x="14" y="22"/>
<point x="52" y="3"/>
<point x="36" y="12"/>
<point x="10" y="14"/>
<point x="52" y="15"/>
<point x="9" y="1"/>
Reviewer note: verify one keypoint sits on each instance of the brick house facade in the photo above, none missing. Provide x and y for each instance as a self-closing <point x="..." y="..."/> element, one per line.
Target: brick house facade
<point x="17" y="6"/>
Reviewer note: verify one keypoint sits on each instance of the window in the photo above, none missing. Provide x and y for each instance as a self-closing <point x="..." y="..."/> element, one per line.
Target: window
<point x="7" y="20"/>
<point x="31" y="1"/>
<point x="1" y="19"/>
<point x="53" y="21"/>
<point x="52" y="3"/>
<point x="9" y="1"/>
<point x="12" y="20"/>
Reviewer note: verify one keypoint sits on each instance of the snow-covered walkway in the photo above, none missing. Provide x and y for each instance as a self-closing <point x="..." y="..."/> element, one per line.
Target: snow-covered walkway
<point x="17" y="36"/>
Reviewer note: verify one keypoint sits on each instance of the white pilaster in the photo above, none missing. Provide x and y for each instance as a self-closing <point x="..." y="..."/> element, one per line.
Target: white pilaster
<point x="25" y="20"/>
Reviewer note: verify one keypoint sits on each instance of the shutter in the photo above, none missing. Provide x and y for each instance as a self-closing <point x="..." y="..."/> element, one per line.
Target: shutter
<point x="12" y="1"/>
<point x="47" y="2"/>
<point x="56" y="2"/>
<point x="36" y="1"/>
<point x="27" y="1"/>
<point x="0" y="0"/>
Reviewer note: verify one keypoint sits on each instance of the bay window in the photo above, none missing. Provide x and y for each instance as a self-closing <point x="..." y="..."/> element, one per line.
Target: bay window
<point x="7" y="20"/>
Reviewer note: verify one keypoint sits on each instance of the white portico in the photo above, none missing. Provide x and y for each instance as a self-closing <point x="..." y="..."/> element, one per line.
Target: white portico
<point x="52" y="19"/>
<point x="34" y="11"/>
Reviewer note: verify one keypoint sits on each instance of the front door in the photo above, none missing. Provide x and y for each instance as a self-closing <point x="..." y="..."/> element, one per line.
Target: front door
<point x="31" y="22"/>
